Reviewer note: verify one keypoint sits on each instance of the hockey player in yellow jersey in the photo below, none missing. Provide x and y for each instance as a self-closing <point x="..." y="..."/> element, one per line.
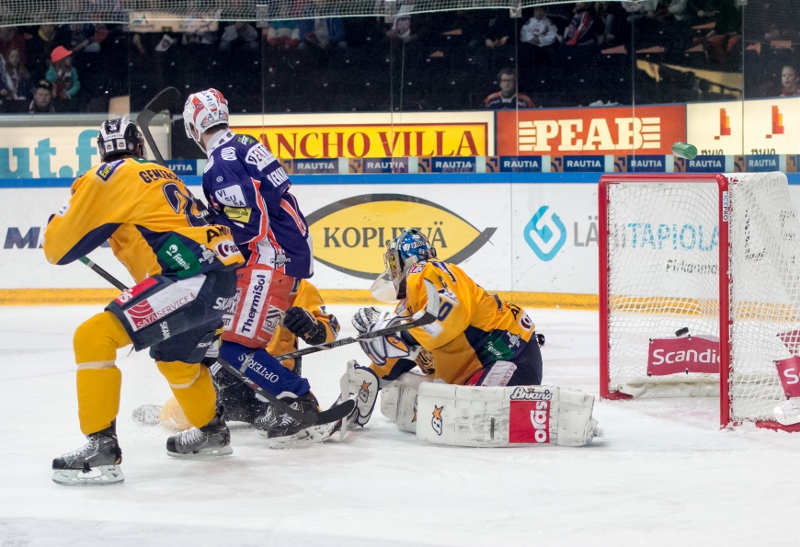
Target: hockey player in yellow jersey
<point x="184" y="270"/>
<point x="476" y="340"/>
<point x="307" y="319"/>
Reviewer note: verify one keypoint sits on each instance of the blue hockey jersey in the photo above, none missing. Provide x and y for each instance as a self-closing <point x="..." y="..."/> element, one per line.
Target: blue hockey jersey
<point x="247" y="188"/>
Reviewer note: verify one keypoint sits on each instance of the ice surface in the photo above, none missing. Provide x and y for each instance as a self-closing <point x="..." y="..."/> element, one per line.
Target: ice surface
<point x="663" y="475"/>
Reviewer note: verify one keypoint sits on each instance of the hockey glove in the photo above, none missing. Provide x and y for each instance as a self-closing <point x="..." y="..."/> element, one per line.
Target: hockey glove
<point x="365" y="317"/>
<point x="387" y="347"/>
<point x="360" y="383"/>
<point x="301" y="323"/>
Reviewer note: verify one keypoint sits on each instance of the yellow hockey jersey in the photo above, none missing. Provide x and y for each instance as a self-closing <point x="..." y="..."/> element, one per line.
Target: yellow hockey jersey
<point x="474" y="328"/>
<point x="149" y="217"/>
<point x="308" y="298"/>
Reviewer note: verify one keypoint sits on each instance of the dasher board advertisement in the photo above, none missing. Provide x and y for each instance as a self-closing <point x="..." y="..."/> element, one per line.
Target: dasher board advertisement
<point x="762" y="127"/>
<point x="650" y="130"/>
<point x="378" y="135"/>
<point x="530" y="237"/>
<point x="48" y="152"/>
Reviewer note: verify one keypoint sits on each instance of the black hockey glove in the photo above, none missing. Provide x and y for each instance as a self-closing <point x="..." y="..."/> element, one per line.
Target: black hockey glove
<point x="302" y="324"/>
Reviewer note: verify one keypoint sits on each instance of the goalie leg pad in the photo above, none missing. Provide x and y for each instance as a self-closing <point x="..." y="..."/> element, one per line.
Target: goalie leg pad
<point x="399" y="400"/>
<point x="504" y="416"/>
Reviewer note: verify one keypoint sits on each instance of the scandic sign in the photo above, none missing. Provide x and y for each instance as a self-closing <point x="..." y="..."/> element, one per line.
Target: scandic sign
<point x="372" y="141"/>
<point x="350" y="235"/>
<point x="590" y="131"/>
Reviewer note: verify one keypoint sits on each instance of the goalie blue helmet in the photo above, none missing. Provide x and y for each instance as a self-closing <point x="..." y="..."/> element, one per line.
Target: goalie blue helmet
<point x="409" y="248"/>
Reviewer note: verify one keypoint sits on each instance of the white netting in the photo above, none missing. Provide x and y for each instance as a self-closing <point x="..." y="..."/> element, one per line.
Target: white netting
<point x="765" y="289"/>
<point x="35" y="12"/>
<point x="663" y="275"/>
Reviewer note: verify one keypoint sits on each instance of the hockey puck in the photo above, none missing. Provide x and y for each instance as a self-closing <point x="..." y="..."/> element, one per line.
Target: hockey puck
<point x="681" y="332"/>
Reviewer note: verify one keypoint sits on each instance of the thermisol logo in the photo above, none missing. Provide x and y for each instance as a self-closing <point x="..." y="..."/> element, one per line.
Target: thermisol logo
<point x="545" y="233"/>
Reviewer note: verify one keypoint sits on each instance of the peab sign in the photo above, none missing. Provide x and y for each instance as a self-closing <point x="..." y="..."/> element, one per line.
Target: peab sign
<point x="590" y="131"/>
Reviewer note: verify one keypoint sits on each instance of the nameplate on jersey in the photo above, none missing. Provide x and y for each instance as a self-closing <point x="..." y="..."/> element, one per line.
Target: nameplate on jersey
<point x="231" y="196"/>
<point x="259" y="156"/>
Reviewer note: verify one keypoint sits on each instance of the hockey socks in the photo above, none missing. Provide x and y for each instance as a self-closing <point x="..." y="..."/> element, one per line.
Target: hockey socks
<point x="98" y="397"/>
<point x="191" y="384"/>
<point x="264" y="370"/>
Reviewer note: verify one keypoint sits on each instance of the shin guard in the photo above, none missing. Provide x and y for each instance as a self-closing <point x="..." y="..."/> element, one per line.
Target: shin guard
<point x="98" y="397"/>
<point x="191" y="384"/>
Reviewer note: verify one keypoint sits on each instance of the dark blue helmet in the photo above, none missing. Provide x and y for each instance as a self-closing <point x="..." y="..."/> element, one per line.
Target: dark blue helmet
<point x="120" y="137"/>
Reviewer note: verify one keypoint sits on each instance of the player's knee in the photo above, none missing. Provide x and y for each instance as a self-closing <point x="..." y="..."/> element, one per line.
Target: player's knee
<point x="180" y="375"/>
<point x="98" y="338"/>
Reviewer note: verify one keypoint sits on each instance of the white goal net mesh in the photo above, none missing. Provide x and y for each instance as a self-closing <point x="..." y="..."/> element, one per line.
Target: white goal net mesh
<point x="664" y="275"/>
<point x="765" y="290"/>
<point x="29" y="12"/>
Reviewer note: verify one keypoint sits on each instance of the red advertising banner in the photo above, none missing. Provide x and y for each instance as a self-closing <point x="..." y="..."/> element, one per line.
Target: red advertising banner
<point x="650" y="130"/>
<point x="686" y="354"/>
<point x="789" y="373"/>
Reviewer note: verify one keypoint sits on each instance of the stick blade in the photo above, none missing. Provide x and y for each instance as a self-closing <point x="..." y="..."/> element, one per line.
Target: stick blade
<point x="165" y="99"/>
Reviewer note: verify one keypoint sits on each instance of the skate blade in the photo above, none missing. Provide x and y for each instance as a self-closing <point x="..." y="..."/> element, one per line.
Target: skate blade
<point x="304" y="438"/>
<point x="102" y="475"/>
<point x="204" y="453"/>
<point x="146" y="414"/>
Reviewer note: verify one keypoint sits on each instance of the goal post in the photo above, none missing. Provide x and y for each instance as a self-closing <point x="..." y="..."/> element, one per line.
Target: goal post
<point x="699" y="289"/>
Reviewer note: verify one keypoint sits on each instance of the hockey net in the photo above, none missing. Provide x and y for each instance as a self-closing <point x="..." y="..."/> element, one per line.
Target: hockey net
<point x="167" y="12"/>
<point x="699" y="259"/>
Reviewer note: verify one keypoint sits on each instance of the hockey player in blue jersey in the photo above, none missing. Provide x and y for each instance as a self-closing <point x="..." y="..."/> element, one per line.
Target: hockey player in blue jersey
<point x="248" y="191"/>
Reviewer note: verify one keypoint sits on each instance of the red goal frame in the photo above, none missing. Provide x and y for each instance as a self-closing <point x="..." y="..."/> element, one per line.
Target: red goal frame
<point x="724" y="295"/>
<point x="726" y="320"/>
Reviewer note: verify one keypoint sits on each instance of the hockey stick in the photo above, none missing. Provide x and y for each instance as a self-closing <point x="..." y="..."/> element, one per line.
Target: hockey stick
<point x="102" y="273"/>
<point x="429" y="315"/>
<point x="306" y="419"/>
<point x="165" y="98"/>
<point x="162" y="101"/>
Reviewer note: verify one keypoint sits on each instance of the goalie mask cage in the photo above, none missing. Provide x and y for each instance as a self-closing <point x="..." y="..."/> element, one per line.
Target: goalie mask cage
<point x="717" y="254"/>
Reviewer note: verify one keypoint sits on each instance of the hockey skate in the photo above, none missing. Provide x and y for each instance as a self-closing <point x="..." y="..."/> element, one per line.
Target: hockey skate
<point x="96" y="463"/>
<point x="284" y="432"/>
<point x="209" y="441"/>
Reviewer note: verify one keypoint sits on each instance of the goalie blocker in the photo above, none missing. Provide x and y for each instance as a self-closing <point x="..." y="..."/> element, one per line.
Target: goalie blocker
<point x="490" y="416"/>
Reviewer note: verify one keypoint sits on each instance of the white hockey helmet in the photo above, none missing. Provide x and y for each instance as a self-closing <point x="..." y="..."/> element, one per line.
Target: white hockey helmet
<point x="202" y="111"/>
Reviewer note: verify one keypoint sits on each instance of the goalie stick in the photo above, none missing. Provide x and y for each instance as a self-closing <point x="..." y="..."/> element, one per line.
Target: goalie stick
<point x="429" y="315"/>
<point x="165" y="99"/>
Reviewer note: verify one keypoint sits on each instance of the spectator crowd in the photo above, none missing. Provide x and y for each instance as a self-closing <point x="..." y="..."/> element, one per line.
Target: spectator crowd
<point x="572" y="54"/>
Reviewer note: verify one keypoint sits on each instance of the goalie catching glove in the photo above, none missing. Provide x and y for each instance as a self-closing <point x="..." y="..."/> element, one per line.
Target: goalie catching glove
<point x="365" y="317"/>
<point x="361" y="384"/>
<point x="302" y="324"/>
<point x="392" y="346"/>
